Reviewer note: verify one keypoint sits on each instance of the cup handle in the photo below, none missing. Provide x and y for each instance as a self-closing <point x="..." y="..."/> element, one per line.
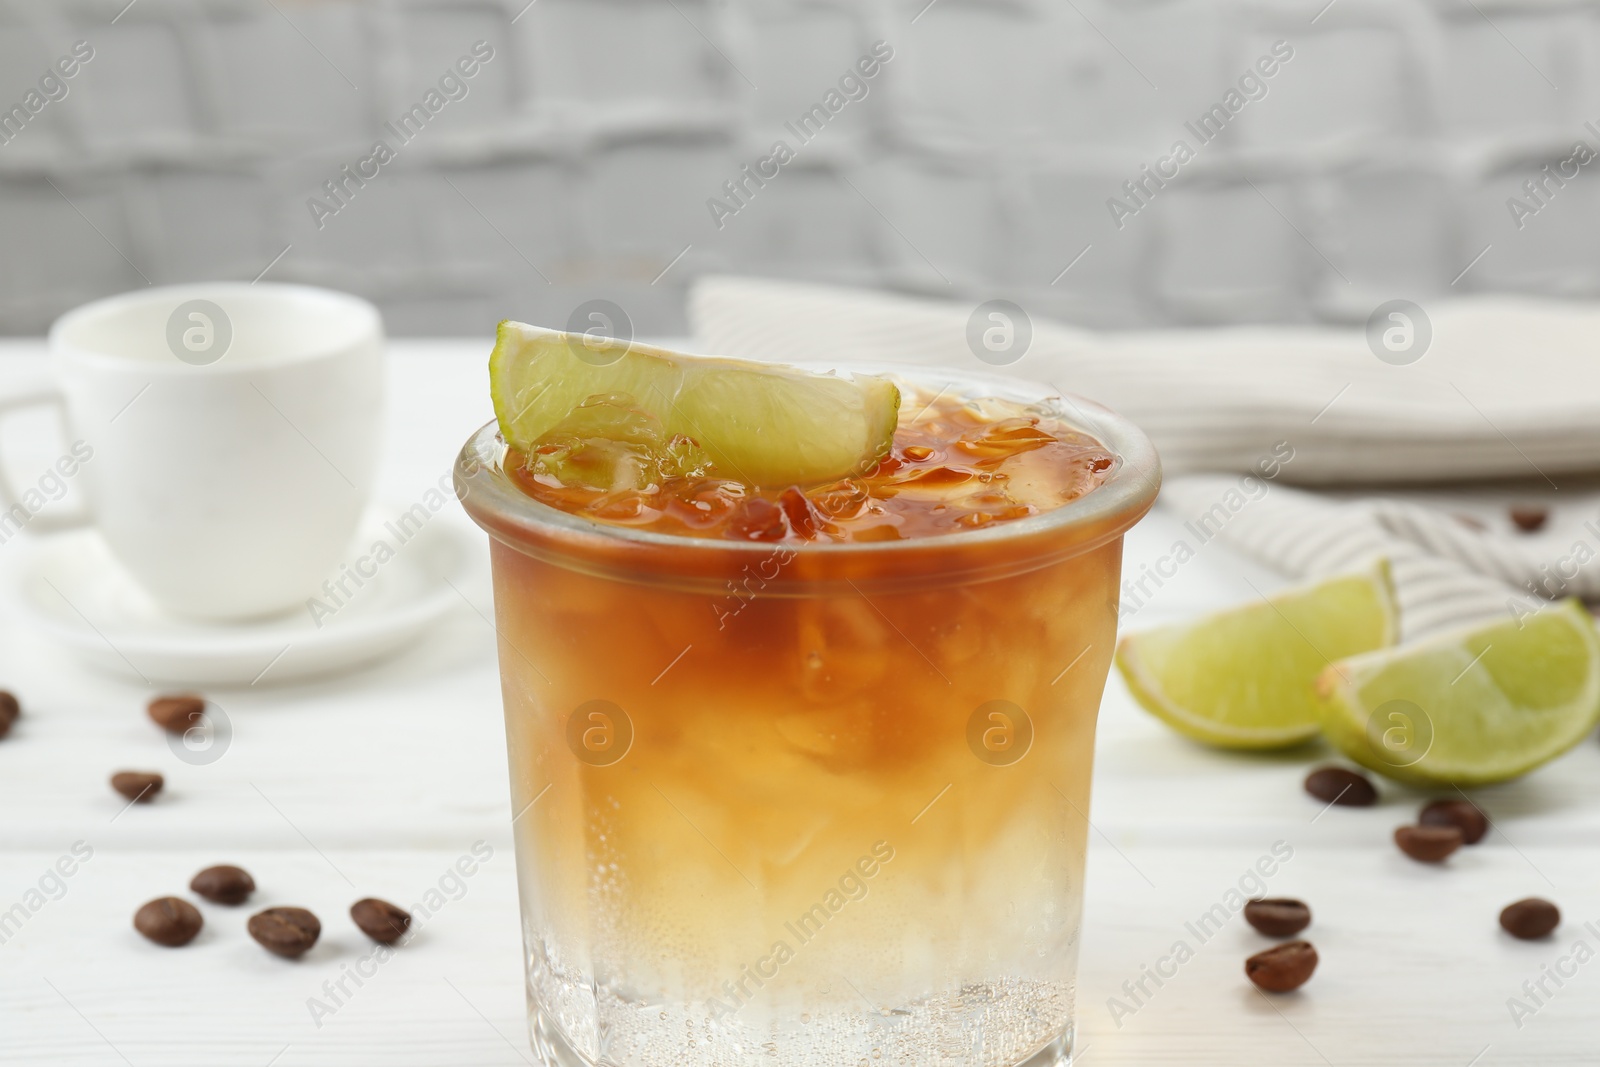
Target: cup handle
<point x="11" y="500"/>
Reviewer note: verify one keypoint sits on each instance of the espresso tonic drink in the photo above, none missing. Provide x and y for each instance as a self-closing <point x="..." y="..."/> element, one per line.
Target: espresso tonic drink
<point x="800" y="773"/>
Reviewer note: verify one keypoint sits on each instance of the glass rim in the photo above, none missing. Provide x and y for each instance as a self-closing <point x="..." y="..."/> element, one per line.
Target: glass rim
<point x="1128" y="491"/>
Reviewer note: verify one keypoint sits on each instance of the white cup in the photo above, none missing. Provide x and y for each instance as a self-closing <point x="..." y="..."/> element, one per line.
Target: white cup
<point x="229" y="437"/>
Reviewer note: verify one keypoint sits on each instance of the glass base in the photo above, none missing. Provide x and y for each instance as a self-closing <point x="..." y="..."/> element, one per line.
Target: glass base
<point x="551" y="1049"/>
<point x="1057" y="1053"/>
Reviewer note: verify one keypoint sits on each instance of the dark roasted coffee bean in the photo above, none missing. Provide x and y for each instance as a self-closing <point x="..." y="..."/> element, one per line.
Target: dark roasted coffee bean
<point x="1530" y="919"/>
<point x="10" y="710"/>
<point x="139" y="786"/>
<point x="224" y="884"/>
<point x="1462" y="814"/>
<point x="380" y="920"/>
<point x="1529" y="520"/>
<point x="1278" y="917"/>
<point x="1282" y="967"/>
<point x="1336" y="785"/>
<point x="287" y="932"/>
<point x="1428" y="844"/>
<point x="168" y="921"/>
<point x="175" y="714"/>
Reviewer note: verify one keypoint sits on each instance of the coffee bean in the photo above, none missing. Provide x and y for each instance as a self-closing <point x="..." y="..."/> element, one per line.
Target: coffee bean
<point x="380" y="920"/>
<point x="1279" y="917"/>
<point x="1282" y="967"/>
<point x="1428" y="844"/>
<point x="10" y="710"/>
<point x="1336" y="785"/>
<point x="287" y="932"/>
<point x="138" y="786"/>
<point x="1529" y="519"/>
<point x="224" y="884"/>
<point x="168" y="921"/>
<point x="175" y="714"/>
<point x="1462" y="814"/>
<point x="1530" y="919"/>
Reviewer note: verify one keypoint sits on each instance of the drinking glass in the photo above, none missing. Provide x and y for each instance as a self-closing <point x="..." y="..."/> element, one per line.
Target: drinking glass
<point x="806" y="803"/>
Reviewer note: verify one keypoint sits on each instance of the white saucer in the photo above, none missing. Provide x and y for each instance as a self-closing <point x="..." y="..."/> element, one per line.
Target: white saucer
<point x="79" y="595"/>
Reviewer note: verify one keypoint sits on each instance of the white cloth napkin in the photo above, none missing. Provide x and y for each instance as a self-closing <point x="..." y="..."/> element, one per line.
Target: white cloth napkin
<point x="1508" y="388"/>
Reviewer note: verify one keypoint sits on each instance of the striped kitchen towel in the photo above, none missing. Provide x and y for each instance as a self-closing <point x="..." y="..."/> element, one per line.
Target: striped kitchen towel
<point x="1448" y="568"/>
<point x="1505" y="387"/>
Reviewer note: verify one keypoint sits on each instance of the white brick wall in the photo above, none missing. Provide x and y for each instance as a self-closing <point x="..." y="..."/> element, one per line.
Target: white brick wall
<point x="979" y="165"/>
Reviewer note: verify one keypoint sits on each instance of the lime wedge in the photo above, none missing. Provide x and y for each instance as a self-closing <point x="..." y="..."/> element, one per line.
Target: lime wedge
<point x="761" y="424"/>
<point x="1473" y="707"/>
<point x="1244" y="678"/>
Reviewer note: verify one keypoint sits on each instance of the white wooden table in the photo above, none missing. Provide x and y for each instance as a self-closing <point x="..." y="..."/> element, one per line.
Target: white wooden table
<point x="376" y="783"/>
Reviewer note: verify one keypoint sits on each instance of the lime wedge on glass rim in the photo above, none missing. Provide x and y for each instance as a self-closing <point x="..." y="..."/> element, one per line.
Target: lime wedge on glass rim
<point x="1245" y="677"/>
<point x="1476" y="706"/>
<point x="763" y="424"/>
